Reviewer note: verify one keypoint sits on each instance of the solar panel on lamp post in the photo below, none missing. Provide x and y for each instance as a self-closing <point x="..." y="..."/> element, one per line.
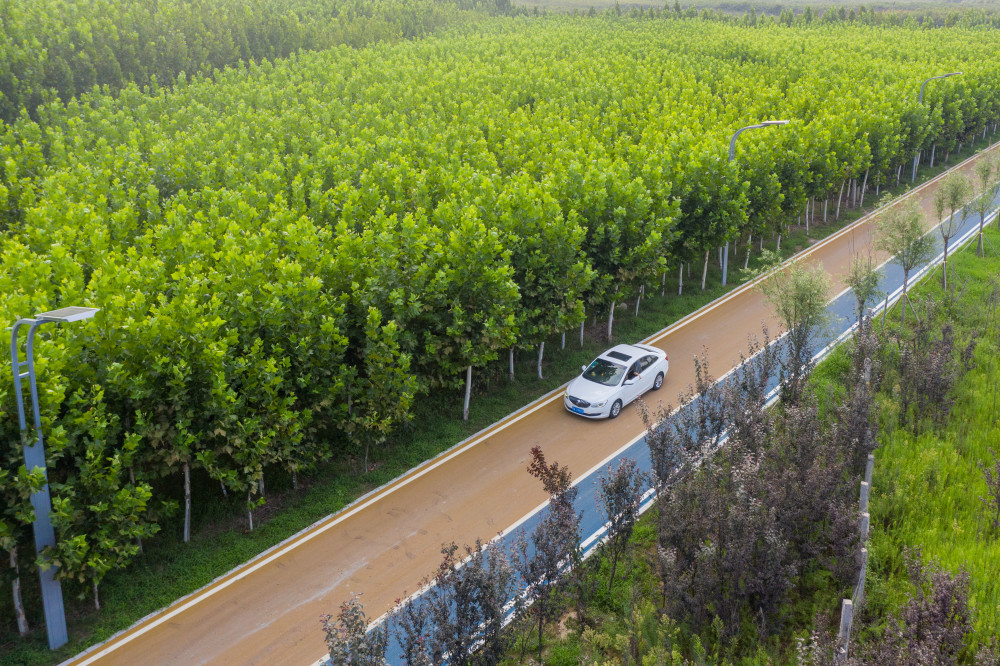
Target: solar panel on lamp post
<point x="34" y="457"/>
<point x="732" y="154"/>
<point x="920" y="100"/>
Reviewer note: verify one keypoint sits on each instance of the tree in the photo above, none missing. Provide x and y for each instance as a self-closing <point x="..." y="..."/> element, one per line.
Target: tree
<point x="863" y="281"/>
<point x="554" y="544"/>
<point x="953" y="191"/>
<point x="900" y="233"/>
<point x="97" y="513"/>
<point x="988" y="182"/>
<point x="798" y="296"/>
<point x="620" y="490"/>
<point x="348" y="638"/>
<point x="16" y="515"/>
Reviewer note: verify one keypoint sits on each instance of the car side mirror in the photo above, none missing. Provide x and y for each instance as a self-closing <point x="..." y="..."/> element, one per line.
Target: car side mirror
<point x="628" y="382"/>
<point x="583" y="368"/>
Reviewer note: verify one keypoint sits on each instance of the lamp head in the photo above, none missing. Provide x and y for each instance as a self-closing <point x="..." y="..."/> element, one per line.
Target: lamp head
<point x="65" y="315"/>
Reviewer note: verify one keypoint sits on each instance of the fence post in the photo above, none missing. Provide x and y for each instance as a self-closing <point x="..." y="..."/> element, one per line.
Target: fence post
<point x="863" y="528"/>
<point x="844" y="637"/>
<point x="865" y="492"/>
<point x="859" y="592"/>
<point x="868" y="469"/>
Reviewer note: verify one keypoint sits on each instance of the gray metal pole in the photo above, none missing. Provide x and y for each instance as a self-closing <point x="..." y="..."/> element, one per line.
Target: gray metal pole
<point x="34" y="457"/>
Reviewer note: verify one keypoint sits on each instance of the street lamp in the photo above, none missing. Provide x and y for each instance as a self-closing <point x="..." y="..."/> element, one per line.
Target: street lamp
<point x="920" y="100"/>
<point x="34" y="456"/>
<point x="732" y="154"/>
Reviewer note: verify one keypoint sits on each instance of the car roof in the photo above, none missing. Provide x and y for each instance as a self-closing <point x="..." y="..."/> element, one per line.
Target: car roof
<point x="624" y="353"/>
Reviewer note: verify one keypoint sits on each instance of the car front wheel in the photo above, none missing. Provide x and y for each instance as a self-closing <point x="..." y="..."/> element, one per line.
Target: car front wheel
<point x="616" y="409"/>
<point x="658" y="382"/>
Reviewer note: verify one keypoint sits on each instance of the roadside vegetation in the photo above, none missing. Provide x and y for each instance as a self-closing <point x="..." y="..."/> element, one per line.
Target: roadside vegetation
<point x="280" y="251"/>
<point x="746" y="556"/>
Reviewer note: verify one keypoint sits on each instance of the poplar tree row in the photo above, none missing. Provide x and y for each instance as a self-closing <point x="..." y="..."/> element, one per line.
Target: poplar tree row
<point x="288" y="254"/>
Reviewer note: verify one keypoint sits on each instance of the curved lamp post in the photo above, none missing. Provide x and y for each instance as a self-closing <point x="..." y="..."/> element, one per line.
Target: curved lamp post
<point x="34" y="456"/>
<point x="920" y="100"/>
<point x="732" y="154"/>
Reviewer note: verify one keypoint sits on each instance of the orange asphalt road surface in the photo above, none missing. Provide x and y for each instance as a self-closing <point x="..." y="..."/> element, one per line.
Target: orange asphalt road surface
<point x="267" y="611"/>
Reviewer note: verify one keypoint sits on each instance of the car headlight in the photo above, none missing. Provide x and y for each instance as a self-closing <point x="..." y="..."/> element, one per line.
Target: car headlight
<point x="599" y="404"/>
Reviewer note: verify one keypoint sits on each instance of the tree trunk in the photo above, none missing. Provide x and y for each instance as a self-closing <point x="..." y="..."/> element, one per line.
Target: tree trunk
<point x="746" y="260"/>
<point x="680" y="276"/>
<point x="933" y="151"/>
<point x="906" y="275"/>
<point x="22" y="619"/>
<point x="839" y="197"/>
<point x="295" y="480"/>
<point x="944" y="267"/>
<point x="468" y="393"/>
<point x="541" y="352"/>
<point x="979" y="247"/>
<point x="260" y="481"/>
<point x="762" y="242"/>
<point x="581" y="330"/>
<point x="778" y="248"/>
<point x="663" y="285"/>
<point x="510" y="362"/>
<point x="638" y="299"/>
<point x="250" y="505"/>
<point x="899" y="171"/>
<point x="864" y="188"/>
<point x="222" y="484"/>
<point x="704" y="271"/>
<point x="131" y="477"/>
<point x="720" y="257"/>
<point x="187" y="502"/>
<point x="97" y="599"/>
<point x="611" y="319"/>
<point x="825" y="202"/>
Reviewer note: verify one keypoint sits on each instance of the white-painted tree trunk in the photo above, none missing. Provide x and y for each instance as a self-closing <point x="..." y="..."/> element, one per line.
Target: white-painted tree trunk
<point x="611" y="319"/>
<point x="638" y="298"/>
<point x="250" y="505"/>
<point x="510" y="362"/>
<point x="778" y="248"/>
<point x="97" y="598"/>
<point x="260" y="484"/>
<point x="680" y="276"/>
<point x="187" y="502"/>
<point x="746" y="260"/>
<point x="581" y="330"/>
<point x="899" y="172"/>
<point x="222" y="485"/>
<point x="15" y="589"/>
<point x="563" y="340"/>
<point x="825" y="202"/>
<point x="933" y="151"/>
<point x="864" y="187"/>
<point x="704" y="271"/>
<point x="468" y="393"/>
<point x="541" y="352"/>
<point x="663" y="284"/>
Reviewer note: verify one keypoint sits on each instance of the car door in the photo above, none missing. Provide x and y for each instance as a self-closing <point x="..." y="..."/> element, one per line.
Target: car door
<point x="632" y="388"/>
<point x="648" y="373"/>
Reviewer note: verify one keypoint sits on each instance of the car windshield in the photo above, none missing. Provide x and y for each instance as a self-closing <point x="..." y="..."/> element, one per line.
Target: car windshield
<point x="604" y="372"/>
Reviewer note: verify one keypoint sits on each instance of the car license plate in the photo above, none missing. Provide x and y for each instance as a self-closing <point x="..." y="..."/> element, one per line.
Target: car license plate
<point x="576" y="410"/>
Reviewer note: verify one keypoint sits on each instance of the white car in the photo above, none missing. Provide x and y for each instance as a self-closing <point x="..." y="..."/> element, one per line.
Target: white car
<point x="614" y="379"/>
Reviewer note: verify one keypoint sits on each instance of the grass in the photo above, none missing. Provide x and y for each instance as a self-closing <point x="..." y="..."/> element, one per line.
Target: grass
<point x="926" y="488"/>
<point x="221" y="541"/>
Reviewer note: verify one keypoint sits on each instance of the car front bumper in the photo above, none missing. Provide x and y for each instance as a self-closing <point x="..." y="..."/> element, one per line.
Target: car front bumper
<point x="586" y="412"/>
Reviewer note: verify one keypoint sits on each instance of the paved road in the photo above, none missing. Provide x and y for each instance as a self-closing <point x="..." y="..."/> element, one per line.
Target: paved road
<point x="267" y="611"/>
